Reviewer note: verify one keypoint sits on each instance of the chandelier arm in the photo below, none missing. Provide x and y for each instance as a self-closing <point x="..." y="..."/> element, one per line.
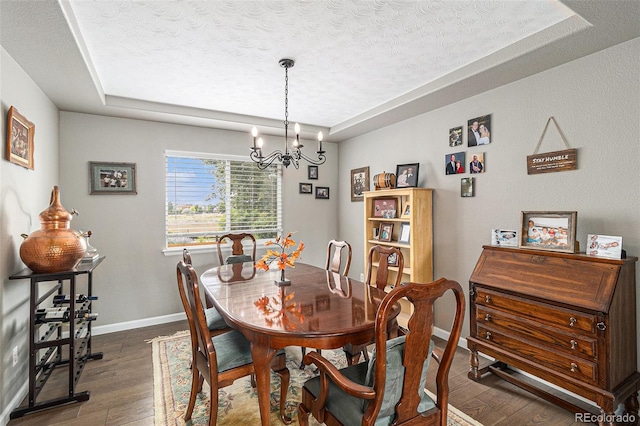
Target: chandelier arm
<point x="320" y="160"/>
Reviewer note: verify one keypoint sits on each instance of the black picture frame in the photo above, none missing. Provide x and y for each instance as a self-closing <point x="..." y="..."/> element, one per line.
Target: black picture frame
<point x="312" y="172"/>
<point x="306" y="188"/>
<point x="407" y="175"/>
<point x="322" y="192"/>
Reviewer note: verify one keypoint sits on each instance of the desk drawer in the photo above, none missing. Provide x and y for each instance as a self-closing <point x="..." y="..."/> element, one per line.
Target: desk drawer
<point x="573" y="366"/>
<point x="563" y="319"/>
<point x="571" y="343"/>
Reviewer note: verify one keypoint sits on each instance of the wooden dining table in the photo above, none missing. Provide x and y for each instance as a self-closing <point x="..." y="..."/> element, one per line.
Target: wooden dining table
<point x="320" y="309"/>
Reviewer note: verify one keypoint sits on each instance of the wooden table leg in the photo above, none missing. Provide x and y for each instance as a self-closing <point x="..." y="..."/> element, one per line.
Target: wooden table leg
<point x="262" y="355"/>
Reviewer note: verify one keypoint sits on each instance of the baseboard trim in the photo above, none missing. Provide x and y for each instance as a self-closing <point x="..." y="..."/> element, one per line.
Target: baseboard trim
<point x="130" y="325"/>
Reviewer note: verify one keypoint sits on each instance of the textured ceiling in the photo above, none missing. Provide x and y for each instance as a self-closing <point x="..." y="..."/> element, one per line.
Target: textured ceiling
<point x="350" y="56"/>
<point x="360" y="64"/>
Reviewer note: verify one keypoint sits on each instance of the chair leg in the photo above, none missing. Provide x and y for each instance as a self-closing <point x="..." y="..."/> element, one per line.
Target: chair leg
<point x="284" y="387"/>
<point x="303" y="415"/>
<point x="213" y="401"/>
<point x="195" y="385"/>
<point x="304" y="351"/>
<point x="253" y="381"/>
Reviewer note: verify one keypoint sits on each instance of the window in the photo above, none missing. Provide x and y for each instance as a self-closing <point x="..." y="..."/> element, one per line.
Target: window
<point x="209" y="195"/>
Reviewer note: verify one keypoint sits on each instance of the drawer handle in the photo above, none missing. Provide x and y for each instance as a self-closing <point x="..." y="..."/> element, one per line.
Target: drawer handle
<point x="574" y="344"/>
<point x="487" y="299"/>
<point x="574" y="367"/>
<point x="572" y="321"/>
<point x="487" y="317"/>
<point x="601" y="326"/>
<point x="488" y="335"/>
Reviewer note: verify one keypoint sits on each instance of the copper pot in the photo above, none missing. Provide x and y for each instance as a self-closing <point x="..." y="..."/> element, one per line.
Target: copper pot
<point x="55" y="247"/>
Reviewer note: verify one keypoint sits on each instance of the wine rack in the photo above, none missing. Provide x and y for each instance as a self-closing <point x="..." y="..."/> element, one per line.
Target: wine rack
<point x="48" y="340"/>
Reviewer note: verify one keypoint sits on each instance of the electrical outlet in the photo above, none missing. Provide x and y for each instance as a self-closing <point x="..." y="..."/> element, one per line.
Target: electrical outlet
<point x="361" y="276"/>
<point x="15" y="356"/>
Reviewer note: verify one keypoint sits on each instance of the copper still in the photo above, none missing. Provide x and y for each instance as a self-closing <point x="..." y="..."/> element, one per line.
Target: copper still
<point x="55" y="247"/>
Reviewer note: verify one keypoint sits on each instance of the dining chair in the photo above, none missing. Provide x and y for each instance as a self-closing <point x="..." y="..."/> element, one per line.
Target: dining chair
<point x="338" y="252"/>
<point x="215" y="322"/>
<point x="237" y="249"/>
<point x="219" y="359"/>
<point x="390" y="388"/>
<point x="378" y="255"/>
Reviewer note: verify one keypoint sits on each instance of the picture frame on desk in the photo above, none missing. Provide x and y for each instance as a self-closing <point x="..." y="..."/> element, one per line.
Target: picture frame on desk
<point x="405" y="232"/>
<point x="552" y="231"/>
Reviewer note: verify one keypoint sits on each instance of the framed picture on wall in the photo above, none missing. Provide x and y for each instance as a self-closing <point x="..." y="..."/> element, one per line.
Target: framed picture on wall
<point x="455" y="136"/>
<point x="306" y="188"/>
<point x="20" y="133"/>
<point x="112" y="178"/>
<point x="478" y="131"/>
<point x="322" y="192"/>
<point x="359" y="183"/>
<point x="312" y="172"/>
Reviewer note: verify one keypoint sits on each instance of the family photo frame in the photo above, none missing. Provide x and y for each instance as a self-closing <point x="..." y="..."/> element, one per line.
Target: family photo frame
<point x="112" y="178"/>
<point x="306" y="188"/>
<point x="386" y="230"/>
<point x="20" y="133"/>
<point x="553" y="231"/>
<point x="322" y="192"/>
<point x="407" y="175"/>
<point x="385" y="207"/>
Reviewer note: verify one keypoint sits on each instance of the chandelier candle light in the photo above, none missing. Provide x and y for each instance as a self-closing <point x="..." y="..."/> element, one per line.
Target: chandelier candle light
<point x="290" y="155"/>
<point x="283" y="258"/>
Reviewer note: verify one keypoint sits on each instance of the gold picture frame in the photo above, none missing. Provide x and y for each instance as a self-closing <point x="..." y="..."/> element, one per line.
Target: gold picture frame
<point x="20" y="133"/>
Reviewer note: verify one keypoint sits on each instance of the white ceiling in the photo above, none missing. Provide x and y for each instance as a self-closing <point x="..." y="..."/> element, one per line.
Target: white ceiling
<point x="360" y="64"/>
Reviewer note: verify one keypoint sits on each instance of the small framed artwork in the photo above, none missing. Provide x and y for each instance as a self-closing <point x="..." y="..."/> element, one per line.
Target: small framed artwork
<point x="392" y="259"/>
<point x="467" y="187"/>
<point x="322" y="192"/>
<point x="454" y="163"/>
<point x="306" y="188"/>
<point x="404" y="234"/>
<point x="504" y="237"/>
<point x="555" y="231"/>
<point x="478" y="130"/>
<point x="455" y="136"/>
<point x="20" y="133"/>
<point x="406" y="211"/>
<point x="112" y="178"/>
<point x="312" y="172"/>
<point x="604" y="246"/>
<point x="359" y="183"/>
<point x="385" y="207"/>
<point x="476" y="165"/>
<point x="386" y="230"/>
<point x="407" y="175"/>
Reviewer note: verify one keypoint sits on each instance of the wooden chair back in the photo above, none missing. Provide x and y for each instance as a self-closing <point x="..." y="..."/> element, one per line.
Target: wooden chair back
<point x="416" y="351"/>
<point x="186" y="257"/>
<point x="335" y="257"/>
<point x="237" y="248"/>
<point x="391" y="356"/>
<point x="381" y="277"/>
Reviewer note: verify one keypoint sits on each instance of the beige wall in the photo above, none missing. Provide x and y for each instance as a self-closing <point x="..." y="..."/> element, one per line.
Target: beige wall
<point x="596" y="102"/>
<point x="23" y="195"/>
<point x="137" y="280"/>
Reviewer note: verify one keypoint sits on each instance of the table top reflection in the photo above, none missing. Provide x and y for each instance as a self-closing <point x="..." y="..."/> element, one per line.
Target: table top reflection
<point x="318" y="304"/>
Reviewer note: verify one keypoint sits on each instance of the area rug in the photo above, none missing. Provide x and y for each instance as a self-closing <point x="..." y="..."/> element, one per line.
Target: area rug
<point x="238" y="403"/>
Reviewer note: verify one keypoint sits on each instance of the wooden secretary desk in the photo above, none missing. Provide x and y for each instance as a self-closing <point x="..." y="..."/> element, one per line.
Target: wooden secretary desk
<point x="569" y="319"/>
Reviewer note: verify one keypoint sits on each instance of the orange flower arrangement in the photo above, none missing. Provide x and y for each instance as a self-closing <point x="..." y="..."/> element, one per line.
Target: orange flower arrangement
<point x="283" y="258"/>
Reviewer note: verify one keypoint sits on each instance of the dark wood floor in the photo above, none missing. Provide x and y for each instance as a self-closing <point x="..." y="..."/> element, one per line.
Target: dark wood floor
<point x="121" y="386"/>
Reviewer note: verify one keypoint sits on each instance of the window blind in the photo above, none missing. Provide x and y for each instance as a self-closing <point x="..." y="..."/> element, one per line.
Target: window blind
<point x="209" y="195"/>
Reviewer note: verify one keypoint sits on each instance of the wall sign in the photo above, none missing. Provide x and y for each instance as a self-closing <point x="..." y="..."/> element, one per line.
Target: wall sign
<point x="550" y="162"/>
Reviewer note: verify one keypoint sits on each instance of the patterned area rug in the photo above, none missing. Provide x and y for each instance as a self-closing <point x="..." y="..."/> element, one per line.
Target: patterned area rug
<point x="238" y="403"/>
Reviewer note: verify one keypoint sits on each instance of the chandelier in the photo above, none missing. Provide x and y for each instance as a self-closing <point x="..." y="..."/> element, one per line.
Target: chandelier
<point x="290" y="155"/>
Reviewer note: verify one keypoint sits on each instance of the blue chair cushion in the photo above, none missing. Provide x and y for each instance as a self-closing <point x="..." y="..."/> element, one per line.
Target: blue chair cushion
<point x="214" y="319"/>
<point x="238" y="258"/>
<point x="344" y="406"/>
<point x="232" y="350"/>
<point x="395" y="380"/>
